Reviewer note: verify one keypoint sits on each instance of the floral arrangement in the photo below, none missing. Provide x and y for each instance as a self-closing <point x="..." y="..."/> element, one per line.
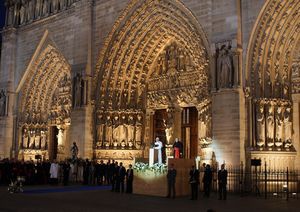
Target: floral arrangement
<point x="156" y="168"/>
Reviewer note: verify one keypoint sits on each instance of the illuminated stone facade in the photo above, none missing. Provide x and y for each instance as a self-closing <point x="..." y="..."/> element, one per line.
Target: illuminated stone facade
<point x="222" y="76"/>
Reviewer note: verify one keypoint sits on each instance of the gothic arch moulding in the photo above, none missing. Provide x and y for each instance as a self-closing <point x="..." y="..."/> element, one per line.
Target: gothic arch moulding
<point x="156" y="55"/>
<point x="44" y="100"/>
<point x="137" y="38"/>
<point x="270" y="76"/>
<point x="49" y="79"/>
<point x="271" y="48"/>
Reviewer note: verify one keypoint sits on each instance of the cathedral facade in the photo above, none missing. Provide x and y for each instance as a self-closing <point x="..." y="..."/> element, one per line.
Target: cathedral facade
<point x="222" y="76"/>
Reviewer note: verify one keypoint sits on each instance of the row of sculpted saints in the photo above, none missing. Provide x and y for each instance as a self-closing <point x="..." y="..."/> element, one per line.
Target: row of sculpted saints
<point x="274" y="125"/>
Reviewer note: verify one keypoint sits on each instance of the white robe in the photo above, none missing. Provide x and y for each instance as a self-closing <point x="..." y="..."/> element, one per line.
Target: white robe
<point x="158" y="146"/>
<point x="54" y="170"/>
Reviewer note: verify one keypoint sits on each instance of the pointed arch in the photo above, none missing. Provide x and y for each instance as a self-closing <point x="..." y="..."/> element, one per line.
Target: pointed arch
<point x="47" y="87"/>
<point x="272" y="46"/>
<point x="137" y="38"/>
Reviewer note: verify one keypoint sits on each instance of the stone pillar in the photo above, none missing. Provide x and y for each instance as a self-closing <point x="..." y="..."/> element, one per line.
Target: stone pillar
<point x="8" y="60"/>
<point x="228" y="121"/>
<point x="148" y="132"/>
<point x="177" y="124"/>
<point x="296" y="128"/>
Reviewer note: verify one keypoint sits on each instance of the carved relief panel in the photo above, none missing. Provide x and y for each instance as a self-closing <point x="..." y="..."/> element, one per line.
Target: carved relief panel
<point x="273" y="124"/>
<point x="175" y="80"/>
<point x="61" y="102"/>
<point x="119" y="129"/>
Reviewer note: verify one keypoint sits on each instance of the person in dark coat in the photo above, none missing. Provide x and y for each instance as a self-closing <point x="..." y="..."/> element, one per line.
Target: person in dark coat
<point x="66" y="172"/>
<point x="171" y="177"/>
<point x="115" y="181"/>
<point x="207" y="179"/>
<point x="194" y="182"/>
<point x="86" y="171"/>
<point x="121" y="176"/>
<point x="222" y="181"/>
<point x="129" y="179"/>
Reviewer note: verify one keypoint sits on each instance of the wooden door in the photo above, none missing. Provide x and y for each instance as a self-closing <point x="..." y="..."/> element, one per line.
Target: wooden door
<point x="189" y="132"/>
<point x="53" y="143"/>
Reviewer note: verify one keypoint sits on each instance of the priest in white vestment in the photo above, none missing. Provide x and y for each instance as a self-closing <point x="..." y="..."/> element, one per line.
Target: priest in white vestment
<point x="158" y="145"/>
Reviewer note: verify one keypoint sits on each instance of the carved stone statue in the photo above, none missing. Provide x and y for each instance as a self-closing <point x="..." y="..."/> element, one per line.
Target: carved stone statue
<point x="287" y="123"/>
<point x="54" y="6"/>
<point x="30" y="10"/>
<point x="23" y="10"/>
<point x="38" y="8"/>
<point x="123" y="135"/>
<point x="108" y="131"/>
<point x="31" y="139"/>
<point x="9" y="12"/>
<point x="181" y="60"/>
<point x="130" y="129"/>
<point x="3" y="103"/>
<point x="43" y="140"/>
<point x="70" y="2"/>
<point x="270" y="126"/>
<point x="138" y="131"/>
<point x="62" y="4"/>
<point x="202" y="126"/>
<point x="74" y="151"/>
<point x="25" y="139"/>
<point x="45" y="8"/>
<point x="279" y="124"/>
<point x="169" y="133"/>
<point x="60" y="137"/>
<point x="37" y="140"/>
<point x="225" y="67"/>
<point x="16" y="15"/>
<point x="100" y="130"/>
<point x="260" y="126"/>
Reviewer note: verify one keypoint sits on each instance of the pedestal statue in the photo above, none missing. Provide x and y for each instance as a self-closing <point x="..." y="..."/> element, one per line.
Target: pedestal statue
<point x="260" y="126"/>
<point x="270" y="126"/>
<point x="74" y="151"/>
<point x="225" y="67"/>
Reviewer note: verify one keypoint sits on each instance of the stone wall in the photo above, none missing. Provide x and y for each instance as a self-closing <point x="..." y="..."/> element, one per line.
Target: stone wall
<point x="79" y="34"/>
<point x="228" y="122"/>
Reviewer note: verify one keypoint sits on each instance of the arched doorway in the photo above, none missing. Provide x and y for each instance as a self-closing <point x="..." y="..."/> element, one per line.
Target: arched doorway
<point x="156" y="58"/>
<point x="45" y="105"/>
<point x="273" y="92"/>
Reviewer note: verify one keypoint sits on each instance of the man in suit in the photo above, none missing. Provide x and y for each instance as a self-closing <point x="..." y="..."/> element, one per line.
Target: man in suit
<point x="121" y="175"/>
<point x="129" y="179"/>
<point x="207" y="179"/>
<point x="171" y="177"/>
<point x="114" y="177"/>
<point x="222" y="181"/>
<point x="194" y="181"/>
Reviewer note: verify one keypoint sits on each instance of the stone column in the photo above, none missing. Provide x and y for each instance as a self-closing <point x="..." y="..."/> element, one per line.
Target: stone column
<point x="296" y="128"/>
<point x="148" y="132"/>
<point x="8" y="60"/>
<point x="228" y="125"/>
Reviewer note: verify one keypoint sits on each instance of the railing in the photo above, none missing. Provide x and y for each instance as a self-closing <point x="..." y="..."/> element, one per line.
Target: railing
<point x="262" y="182"/>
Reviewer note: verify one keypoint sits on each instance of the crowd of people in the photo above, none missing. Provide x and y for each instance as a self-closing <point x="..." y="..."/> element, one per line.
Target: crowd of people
<point x="194" y="180"/>
<point x="99" y="173"/>
<point x="81" y="171"/>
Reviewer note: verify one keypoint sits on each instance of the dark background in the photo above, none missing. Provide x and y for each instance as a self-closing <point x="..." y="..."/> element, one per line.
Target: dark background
<point x="2" y="14"/>
<point x="2" y="21"/>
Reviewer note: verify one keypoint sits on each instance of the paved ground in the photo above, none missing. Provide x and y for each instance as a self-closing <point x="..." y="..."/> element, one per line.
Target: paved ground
<point x="73" y="199"/>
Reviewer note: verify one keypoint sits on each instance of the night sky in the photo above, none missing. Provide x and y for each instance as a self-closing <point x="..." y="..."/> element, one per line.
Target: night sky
<point x="2" y="14"/>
